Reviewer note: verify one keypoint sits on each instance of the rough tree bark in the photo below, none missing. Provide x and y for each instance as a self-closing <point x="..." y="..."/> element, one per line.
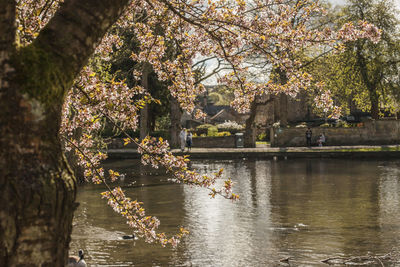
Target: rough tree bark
<point x="7" y="38"/>
<point x="37" y="197"/>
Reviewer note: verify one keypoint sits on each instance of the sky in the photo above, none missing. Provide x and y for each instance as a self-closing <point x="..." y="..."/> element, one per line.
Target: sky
<point x="341" y="2"/>
<point x="337" y="2"/>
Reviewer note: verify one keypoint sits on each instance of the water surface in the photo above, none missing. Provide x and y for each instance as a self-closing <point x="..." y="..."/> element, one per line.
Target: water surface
<point x="305" y="209"/>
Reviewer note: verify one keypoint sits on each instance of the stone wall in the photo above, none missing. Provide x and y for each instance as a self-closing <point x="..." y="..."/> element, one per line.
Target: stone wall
<point x="223" y="141"/>
<point x="380" y="132"/>
<point x="298" y="109"/>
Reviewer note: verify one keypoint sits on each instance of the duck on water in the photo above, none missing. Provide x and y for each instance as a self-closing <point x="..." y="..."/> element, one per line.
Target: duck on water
<point x="74" y="261"/>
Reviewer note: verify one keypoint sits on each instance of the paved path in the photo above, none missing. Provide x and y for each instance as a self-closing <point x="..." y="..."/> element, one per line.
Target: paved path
<point x="392" y="151"/>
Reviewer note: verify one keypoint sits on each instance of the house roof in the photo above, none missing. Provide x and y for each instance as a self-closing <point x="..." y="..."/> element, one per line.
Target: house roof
<point x="212" y="110"/>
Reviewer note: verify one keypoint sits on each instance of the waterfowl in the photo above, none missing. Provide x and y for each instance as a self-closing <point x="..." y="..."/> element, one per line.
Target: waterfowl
<point x="128" y="236"/>
<point x="74" y="261"/>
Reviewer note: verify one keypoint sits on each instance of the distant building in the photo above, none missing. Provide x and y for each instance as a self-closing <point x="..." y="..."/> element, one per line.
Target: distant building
<point x="228" y="114"/>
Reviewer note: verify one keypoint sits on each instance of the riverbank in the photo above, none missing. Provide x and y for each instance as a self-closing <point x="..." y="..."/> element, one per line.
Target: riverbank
<point x="263" y="151"/>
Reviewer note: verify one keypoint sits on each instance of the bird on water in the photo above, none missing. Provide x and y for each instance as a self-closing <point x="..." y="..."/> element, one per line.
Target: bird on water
<point x="74" y="261"/>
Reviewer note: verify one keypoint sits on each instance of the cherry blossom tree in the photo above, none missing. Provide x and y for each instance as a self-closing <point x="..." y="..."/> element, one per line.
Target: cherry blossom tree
<point x="50" y="87"/>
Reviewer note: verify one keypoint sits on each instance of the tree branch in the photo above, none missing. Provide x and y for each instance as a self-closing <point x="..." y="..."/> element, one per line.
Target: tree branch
<point x="73" y="33"/>
<point x="7" y="25"/>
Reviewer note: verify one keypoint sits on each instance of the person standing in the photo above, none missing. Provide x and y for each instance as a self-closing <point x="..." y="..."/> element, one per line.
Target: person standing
<point x="308" y="136"/>
<point x="189" y="140"/>
<point x="182" y="138"/>
<point x="321" y="139"/>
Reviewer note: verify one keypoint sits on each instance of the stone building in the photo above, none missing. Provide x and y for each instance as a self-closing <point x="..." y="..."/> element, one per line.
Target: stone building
<point x="282" y="108"/>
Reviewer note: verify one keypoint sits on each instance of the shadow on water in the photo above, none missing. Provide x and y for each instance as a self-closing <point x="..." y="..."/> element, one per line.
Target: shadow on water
<point x="303" y="211"/>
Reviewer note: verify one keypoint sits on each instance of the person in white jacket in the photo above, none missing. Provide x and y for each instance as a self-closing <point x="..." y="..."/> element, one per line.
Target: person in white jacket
<point x="182" y="138"/>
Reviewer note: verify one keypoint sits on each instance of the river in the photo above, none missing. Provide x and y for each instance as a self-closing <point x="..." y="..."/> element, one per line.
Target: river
<point x="306" y="210"/>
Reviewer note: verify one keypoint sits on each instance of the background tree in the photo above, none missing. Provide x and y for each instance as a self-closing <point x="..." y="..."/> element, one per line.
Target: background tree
<point x="123" y="68"/>
<point x="365" y="76"/>
<point x="377" y="64"/>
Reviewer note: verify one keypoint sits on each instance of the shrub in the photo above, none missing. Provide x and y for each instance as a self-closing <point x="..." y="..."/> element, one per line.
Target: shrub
<point x="204" y="126"/>
<point x="262" y="137"/>
<point x="224" y="133"/>
<point x="230" y="125"/>
<point x="212" y="131"/>
<point x="343" y="124"/>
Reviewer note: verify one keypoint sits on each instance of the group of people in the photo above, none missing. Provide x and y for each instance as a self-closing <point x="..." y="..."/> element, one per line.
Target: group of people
<point x="320" y="141"/>
<point x="185" y="137"/>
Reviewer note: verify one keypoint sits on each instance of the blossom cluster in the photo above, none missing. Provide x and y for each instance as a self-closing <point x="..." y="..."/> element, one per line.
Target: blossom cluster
<point x="324" y="102"/>
<point x="156" y="152"/>
<point x="134" y="213"/>
<point x="91" y="102"/>
<point x="32" y="16"/>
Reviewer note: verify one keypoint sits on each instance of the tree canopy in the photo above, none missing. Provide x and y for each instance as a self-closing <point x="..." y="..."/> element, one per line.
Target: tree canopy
<point x="365" y="75"/>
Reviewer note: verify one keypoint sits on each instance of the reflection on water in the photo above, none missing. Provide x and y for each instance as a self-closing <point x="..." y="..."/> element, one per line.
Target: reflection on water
<point x="307" y="210"/>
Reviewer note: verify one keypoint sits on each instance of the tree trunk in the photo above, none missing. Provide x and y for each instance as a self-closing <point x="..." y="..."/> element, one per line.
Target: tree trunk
<point x="374" y="98"/>
<point x="370" y="81"/>
<point x="176" y="115"/>
<point x="7" y="38"/>
<point x="144" y="112"/>
<point x="250" y="131"/>
<point x="283" y="99"/>
<point x="152" y="121"/>
<point x="144" y="122"/>
<point x="37" y="187"/>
